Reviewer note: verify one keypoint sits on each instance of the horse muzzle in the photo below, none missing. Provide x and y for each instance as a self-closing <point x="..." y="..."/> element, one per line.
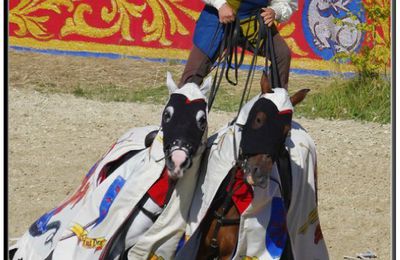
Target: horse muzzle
<point x="178" y="160"/>
<point x="257" y="170"/>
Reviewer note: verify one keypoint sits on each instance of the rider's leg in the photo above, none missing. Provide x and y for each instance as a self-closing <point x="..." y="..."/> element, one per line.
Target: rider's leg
<point x="207" y="38"/>
<point x="197" y="67"/>
<point x="283" y="57"/>
<point x="141" y="223"/>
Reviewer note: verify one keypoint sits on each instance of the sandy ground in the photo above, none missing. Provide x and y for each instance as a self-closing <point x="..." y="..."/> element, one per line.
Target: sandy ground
<point x="55" y="138"/>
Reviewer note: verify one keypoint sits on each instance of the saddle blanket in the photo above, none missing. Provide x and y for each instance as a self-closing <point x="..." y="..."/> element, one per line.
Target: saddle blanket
<point x="83" y="225"/>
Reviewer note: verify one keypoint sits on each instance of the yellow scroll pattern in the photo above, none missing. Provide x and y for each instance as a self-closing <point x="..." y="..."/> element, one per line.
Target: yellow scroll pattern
<point x="120" y="16"/>
<point x="163" y="13"/>
<point x="155" y="30"/>
<point x="119" y="8"/>
<point x="22" y="15"/>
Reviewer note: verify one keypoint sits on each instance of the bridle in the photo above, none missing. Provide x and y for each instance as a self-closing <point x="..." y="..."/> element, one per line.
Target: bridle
<point x="227" y="204"/>
<point x="175" y="145"/>
<point x="179" y="145"/>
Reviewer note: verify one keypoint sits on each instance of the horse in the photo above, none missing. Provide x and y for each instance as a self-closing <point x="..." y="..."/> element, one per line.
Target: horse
<point x="257" y="200"/>
<point x="134" y="200"/>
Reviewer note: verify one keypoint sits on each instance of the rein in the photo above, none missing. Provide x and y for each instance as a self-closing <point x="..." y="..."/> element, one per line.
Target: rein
<point x="228" y="52"/>
<point x="229" y="58"/>
<point x="225" y="57"/>
<point x="220" y="216"/>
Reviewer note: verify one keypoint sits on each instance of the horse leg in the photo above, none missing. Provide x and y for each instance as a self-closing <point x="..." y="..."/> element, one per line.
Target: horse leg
<point x="133" y="227"/>
<point x="142" y="222"/>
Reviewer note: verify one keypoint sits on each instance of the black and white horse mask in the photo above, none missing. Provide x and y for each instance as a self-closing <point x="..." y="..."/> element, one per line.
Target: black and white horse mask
<point x="265" y="122"/>
<point x="184" y="124"/>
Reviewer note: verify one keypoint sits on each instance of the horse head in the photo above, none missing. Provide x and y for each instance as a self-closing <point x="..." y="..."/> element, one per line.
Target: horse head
<point x="184" y="124"/>
<point x="264" y="133"/>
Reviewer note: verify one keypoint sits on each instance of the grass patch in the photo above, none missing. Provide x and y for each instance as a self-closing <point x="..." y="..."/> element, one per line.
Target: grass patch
<point x="45" y="87"/>
<point x="79" y="92"/>
<point x="114" y="93"/>
<point x="358" y="99"/>
<point x="228" y="98"/>
<point x="109" y="80"/>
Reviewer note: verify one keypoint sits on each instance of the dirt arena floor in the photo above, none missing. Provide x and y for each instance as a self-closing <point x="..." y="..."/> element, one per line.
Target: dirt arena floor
<point x="55" y="138"/>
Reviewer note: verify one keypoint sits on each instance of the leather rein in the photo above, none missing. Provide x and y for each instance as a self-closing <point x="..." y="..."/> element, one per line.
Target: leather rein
<point x="227" y="204"/>
<point x="229" y="57"/>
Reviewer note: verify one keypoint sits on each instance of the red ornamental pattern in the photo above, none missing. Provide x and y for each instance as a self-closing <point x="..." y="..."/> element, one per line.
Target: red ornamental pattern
<point x="164" y="28"/>
<point x="147" y="23"/>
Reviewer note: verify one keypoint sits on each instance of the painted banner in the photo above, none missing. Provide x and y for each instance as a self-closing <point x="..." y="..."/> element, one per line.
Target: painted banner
<point x="162" y="29"/>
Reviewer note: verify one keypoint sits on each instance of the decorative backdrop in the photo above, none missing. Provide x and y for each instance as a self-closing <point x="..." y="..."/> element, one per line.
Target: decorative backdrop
<point x="162" y="29"/>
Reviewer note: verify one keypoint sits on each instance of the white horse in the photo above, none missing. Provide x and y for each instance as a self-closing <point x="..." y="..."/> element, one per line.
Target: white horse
<point x="134" y="201"/>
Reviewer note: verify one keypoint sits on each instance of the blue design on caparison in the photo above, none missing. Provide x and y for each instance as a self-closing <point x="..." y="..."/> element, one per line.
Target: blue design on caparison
<point x="181" y="243"/>
<point x="42" y="226"/>
<point x="109" y="198"/>
<point x="276" y="231"/>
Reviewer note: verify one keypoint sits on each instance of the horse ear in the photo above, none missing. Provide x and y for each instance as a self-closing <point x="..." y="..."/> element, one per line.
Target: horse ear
<point x="299" y="96"/>
<point x="171" y="83"/>
<point x="206" y="86"/>
<point x="265" y="86"/>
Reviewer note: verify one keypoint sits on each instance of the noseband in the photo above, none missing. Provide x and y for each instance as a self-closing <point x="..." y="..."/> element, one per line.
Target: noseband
<point x="179" y="145"/>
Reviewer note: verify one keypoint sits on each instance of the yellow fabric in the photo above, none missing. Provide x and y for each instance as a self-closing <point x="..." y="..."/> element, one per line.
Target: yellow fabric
<point x="250" y="28"/>
<point x="234" y="4"/>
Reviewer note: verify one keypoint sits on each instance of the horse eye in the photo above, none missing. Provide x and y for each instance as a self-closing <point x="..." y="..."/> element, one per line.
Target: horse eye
<point x="201" y="120"/>
<point x="168" y="113"/>
<point x="259" y="120"/>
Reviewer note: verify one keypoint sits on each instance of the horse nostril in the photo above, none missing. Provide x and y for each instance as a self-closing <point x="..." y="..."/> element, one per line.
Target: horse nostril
<point x="169" y="163"/>
<point x="186" y="164"/>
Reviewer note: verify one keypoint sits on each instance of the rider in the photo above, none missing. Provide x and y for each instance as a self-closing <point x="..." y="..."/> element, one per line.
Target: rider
<point x="208" y="36"/>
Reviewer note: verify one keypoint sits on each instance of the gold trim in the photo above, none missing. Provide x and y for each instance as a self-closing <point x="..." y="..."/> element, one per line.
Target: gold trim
<point x="145" y="52"/>
<point x="312" y="218"/>
<point x="161" y="53"/>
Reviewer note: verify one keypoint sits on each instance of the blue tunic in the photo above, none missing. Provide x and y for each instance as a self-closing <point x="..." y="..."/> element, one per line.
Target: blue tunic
<point x="209" y="32"/>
